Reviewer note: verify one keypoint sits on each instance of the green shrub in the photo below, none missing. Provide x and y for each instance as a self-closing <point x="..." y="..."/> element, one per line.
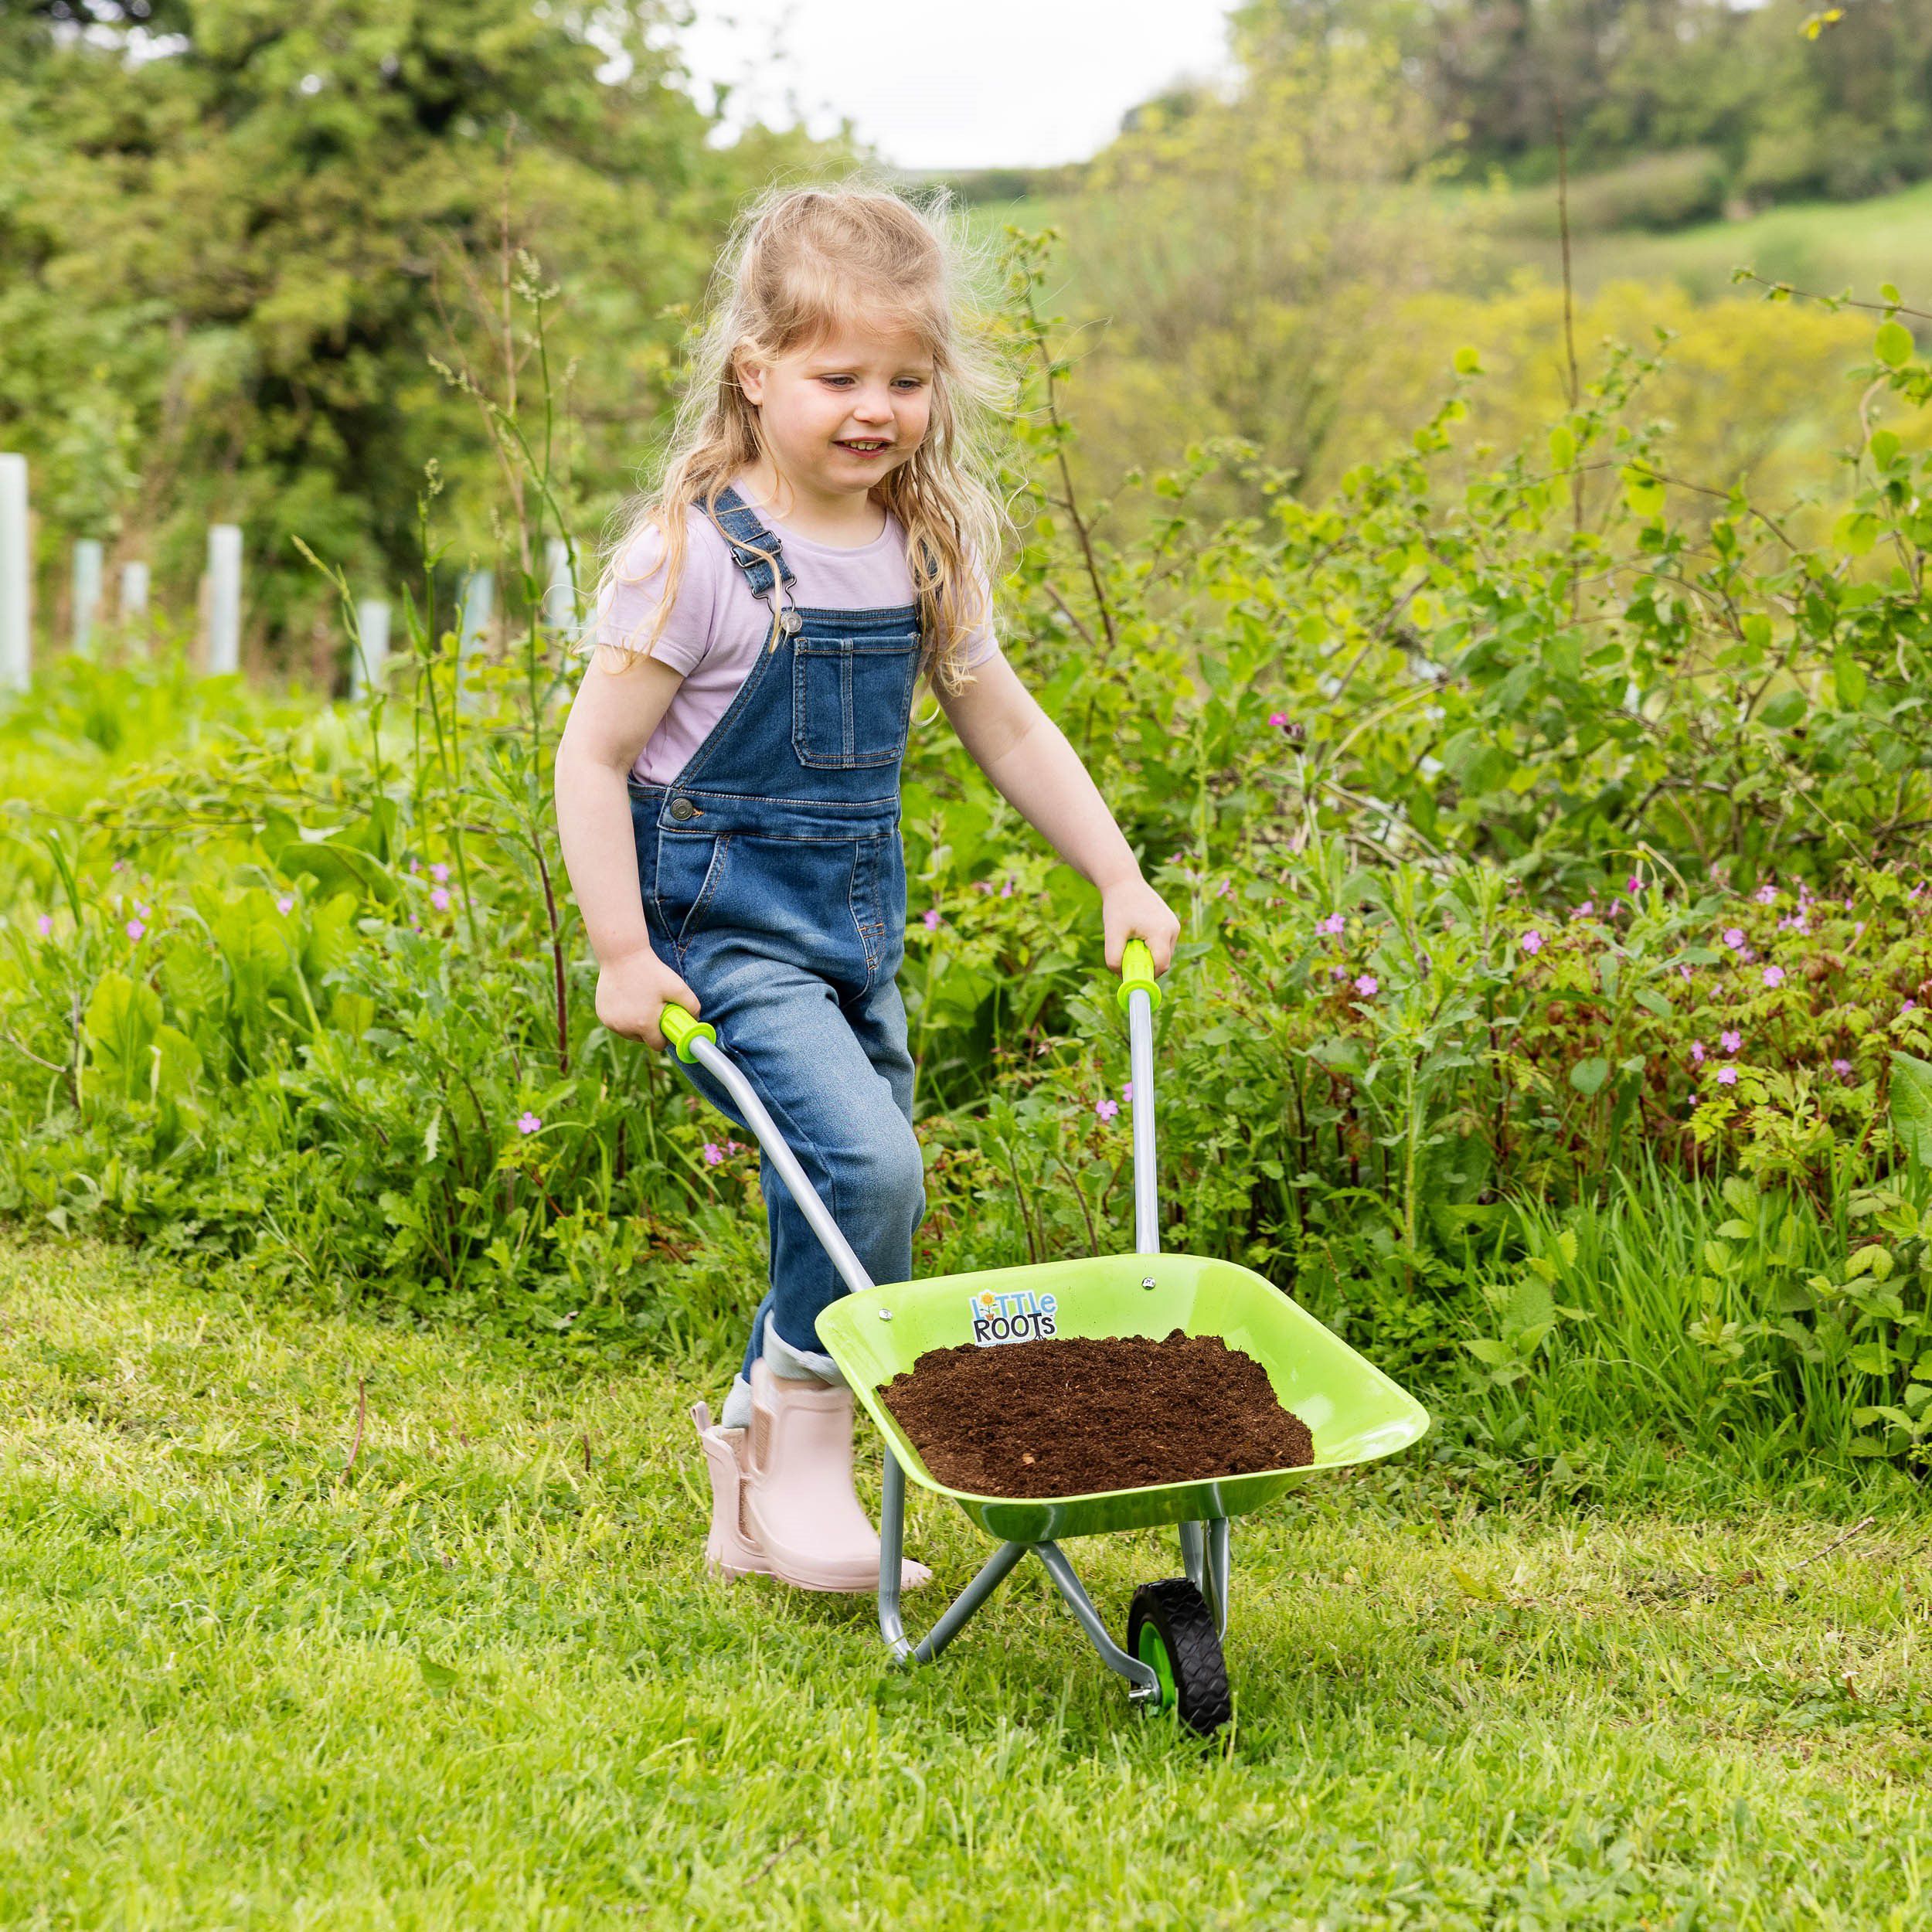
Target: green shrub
<point x="1527" y="828"/>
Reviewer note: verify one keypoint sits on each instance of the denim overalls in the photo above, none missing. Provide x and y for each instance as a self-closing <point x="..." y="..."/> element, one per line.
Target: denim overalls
<point x="774" y="882"/>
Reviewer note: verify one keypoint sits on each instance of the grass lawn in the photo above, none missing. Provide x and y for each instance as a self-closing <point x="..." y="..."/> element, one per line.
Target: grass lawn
<point x="479" y="1680"/>
<point x="1821" y="246"/>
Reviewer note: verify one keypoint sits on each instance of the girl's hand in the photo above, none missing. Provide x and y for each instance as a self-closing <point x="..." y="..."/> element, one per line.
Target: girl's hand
<point x="1133" y="910"/>
<point x="632" y="990"/>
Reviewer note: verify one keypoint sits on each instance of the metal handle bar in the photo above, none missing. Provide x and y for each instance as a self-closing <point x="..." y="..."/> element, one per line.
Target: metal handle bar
<point x="1140" y="994"/>
<point x="696" y="1040"/>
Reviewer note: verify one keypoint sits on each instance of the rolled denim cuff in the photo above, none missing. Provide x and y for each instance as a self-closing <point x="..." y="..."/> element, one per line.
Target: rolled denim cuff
<point x="800" y="1364"/>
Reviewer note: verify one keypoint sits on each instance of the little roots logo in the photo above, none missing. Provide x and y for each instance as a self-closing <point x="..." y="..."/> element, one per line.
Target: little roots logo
<point x="1018" y="1317"/>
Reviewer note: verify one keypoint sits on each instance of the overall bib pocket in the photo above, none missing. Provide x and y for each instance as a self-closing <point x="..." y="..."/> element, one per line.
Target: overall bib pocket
<point x="851" y="698"/>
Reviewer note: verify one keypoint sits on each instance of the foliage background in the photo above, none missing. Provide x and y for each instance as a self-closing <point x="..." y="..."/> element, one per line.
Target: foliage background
<point x="1518" y="683"/>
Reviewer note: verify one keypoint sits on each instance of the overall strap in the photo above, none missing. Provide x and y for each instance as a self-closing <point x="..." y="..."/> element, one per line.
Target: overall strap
<point x="747" y="536"/>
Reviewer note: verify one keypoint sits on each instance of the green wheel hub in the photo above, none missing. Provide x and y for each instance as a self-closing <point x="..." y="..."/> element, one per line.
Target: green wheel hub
<point x="1153" y="1653"/>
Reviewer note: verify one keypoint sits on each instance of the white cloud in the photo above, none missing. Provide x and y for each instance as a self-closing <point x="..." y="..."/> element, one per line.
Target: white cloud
<point x="975" y="83"/>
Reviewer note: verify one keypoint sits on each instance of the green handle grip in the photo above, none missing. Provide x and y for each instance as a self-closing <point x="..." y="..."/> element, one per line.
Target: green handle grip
<point x="1137" y="973"/>
<point x="681" y="1029"/>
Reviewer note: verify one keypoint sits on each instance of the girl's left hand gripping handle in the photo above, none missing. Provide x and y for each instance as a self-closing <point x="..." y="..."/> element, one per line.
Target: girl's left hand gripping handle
<point x="681" y="1029"/>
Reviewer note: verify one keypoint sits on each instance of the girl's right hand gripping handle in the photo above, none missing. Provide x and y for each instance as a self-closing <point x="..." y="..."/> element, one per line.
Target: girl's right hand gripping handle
<point x="681" y="1029"/>
<point x="1137" y="973"/>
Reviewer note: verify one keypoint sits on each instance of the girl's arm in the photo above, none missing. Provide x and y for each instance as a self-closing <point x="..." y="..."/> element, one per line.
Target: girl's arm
<point x="611" y="719"/>
<point x="1036" y="771"/>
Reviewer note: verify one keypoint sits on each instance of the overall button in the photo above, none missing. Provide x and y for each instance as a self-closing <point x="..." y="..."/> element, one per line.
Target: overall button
<point x="682" y="809"/>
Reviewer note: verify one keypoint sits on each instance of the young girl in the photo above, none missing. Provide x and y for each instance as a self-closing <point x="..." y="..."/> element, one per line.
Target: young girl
<point x="727" y="784"/>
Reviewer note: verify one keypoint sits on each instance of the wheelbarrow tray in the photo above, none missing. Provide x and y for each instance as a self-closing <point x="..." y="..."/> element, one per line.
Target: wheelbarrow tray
<point x="1354" y="1412"/>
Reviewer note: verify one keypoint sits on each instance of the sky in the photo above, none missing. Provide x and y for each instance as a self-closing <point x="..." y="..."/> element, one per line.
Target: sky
<point x="941" y="84"/>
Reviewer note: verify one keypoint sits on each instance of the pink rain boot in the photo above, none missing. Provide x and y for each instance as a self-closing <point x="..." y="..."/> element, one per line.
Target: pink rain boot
<point x="800" y="1509"/>
<point x="728" y="1552"/>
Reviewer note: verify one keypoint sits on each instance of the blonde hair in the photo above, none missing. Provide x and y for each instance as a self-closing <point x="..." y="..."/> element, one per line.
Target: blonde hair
<point x="802" y="264"/>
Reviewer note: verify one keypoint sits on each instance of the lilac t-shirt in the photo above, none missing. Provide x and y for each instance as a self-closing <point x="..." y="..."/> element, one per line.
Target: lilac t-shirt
<point x="716" y="627"/>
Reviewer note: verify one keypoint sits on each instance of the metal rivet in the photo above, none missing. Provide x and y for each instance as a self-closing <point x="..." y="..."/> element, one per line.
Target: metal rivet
<point x="683" y="808"/>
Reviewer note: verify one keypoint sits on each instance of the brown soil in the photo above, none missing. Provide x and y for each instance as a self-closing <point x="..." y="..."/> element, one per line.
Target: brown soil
<point x="1061" y="1416"/>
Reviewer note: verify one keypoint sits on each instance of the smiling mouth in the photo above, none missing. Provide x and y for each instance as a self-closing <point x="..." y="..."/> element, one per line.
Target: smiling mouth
<point x="869" y="446"/>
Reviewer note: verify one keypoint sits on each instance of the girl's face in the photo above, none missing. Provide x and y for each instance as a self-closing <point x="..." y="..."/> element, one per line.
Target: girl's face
<point x="843" y="414"/>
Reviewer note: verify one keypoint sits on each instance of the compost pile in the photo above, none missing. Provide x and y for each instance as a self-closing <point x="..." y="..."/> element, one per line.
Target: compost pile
<point x="1063" y="1417"/>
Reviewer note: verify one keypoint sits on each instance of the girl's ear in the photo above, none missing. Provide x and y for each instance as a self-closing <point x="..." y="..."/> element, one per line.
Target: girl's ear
<point x="751" y="381"/>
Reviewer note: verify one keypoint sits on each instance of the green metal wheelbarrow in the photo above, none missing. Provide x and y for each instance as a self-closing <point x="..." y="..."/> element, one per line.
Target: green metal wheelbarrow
<point x="1172" y="1660"/>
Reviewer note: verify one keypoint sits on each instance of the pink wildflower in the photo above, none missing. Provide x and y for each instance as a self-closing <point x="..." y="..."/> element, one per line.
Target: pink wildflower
<point x="1278" y="718"/>
<point x="136" y="929"/>
<point x="1765" y="894"/>
<point x="1683" y="971"/>
<point x="1734" y="937"/>
<point x="713" y="1153"/>
<point x="1842" y="1068"/>
<point x="1773" y="975"/>
<point x="527" y="1123"/>
<point x="1633" y="884"/>
<point x="1906" y="1009"/>
<point x="1106" y="1109"/>
<point x="1727" y="1076"/>
<point x="1006" y="891"/>
<point x="1730" y="1039"/>
<point x="438" y="872"/>
<point x="439" y="899"/>
<point x="1127" y="1093"/>
<point x="1364" y="985"/>
<point x="931" y="918"/>
<point x="45" y="924"/>
<point x="1532" y="942"/>
<point x="1334" y="922"/>
<point x="284" y="904"/>
<point x="1697" y="1051"/>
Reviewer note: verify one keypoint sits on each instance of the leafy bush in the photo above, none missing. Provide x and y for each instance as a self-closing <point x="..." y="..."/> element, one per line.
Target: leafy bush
<point x="1530" y="826"/>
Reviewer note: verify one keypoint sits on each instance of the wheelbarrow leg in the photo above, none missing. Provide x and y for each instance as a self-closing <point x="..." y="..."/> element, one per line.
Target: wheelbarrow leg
<point x="1204" y="1555"/>
<point x="1142" y="1686"/>
<point x="892" y="1537"/>
<point x="1141" y="1682"/>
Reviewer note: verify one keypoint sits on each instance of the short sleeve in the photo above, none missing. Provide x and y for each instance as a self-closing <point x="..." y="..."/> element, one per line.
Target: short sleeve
<point x="980" y="644"/>
<point x="632" y="593"/>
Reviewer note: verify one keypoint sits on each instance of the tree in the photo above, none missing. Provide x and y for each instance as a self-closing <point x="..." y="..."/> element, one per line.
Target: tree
<point x="232" y="233"/>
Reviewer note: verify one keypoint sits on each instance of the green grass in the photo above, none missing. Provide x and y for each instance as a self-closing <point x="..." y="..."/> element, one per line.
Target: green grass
<point x="1821" y="246"/>
<point x="474" y="1682"/>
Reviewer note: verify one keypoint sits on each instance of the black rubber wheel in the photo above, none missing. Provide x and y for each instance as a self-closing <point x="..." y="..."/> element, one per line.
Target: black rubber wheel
<point x="1170" y="1627"/>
